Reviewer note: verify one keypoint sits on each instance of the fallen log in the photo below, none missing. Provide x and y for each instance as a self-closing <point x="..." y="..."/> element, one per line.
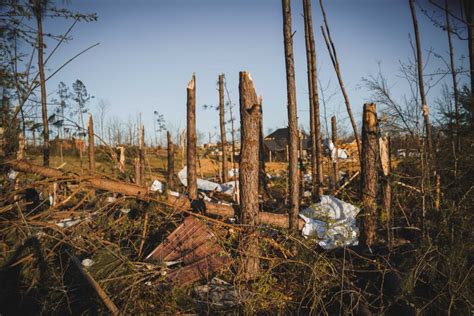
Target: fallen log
<point x="143" y="193"/>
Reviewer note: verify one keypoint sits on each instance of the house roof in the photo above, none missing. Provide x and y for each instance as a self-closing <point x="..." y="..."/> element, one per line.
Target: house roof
<point x="283" y="133"/>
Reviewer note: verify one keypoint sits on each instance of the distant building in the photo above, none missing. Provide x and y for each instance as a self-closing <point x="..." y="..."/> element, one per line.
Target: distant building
<point x="276" y="145"/>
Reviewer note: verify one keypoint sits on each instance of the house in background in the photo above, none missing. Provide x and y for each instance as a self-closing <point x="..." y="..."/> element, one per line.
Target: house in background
<point x="276" y="145"/>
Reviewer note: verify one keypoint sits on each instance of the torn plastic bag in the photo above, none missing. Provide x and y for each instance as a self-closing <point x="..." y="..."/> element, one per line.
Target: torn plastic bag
<point x="205" y="185"/>
<point x="332" y="221"/>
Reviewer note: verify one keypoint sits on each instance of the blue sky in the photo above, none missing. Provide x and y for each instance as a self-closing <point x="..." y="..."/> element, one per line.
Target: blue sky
<point x="149" y="49"/>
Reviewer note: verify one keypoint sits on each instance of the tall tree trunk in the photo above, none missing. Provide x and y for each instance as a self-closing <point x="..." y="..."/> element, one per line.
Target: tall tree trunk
<point x="292" y="117"/>
<point x="454" y="77"/>
<point x="315" y="123"/>
<point x="249" y="166"/>
<point x="191" y="139"/>
<point x="469" y="11"/>
<point x="90" y="130"/>
<point x="421" y="85"/>
<point x="222" y="127"/>
<point x="170" y="179"/>
<point x="44" y="109"/>
<point x="335" y="62"/>
<point x="369" y="176"/>
<point x="335" y="166"/>
<point x="262" y="174"/>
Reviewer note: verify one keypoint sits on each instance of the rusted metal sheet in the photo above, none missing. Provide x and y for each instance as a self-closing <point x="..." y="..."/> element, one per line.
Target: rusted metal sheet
<point x="194" y="246"/>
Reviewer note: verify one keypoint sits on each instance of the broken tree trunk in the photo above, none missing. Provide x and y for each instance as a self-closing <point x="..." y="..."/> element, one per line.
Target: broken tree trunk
<point x="191" y="139"/>
<point x="335" y="62"/>
<point x="262" y="174"/>
<point x="222" y="127"/>
<point x="369" y="177"/>
<point x="292" y="116"/>
<point x="121" y="164"/>
<point x="248" y="176"/>
<point x="142" y="193"/>
<point x="335" y="165"/>
<point x="170" y="178"/>
<point x="315" y="124"/>
<point x="90" y="130"/>
<point x="386" y="163"/>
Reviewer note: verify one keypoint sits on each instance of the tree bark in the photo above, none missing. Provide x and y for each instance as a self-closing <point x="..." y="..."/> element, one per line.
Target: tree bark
<point x="335" y="165"/>
<point x="191" y="139"/>
<point x="292" y="116"/>
<point x="315" y="123"/>
<point x="369" y="176"/>
<point x="222" y="127"/>
<point x="421" y="85"/>
<point x="249" y="169"/>
<point x="386" y="163"/>
<point x="335" y="62"/>
<point x="90" y="130"/>
<point x="170" y="179"/>
<point x="44" y="109"/>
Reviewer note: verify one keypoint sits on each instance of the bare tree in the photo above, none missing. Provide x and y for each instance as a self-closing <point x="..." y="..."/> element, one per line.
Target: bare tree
<point x="222" y="128"/>
<point x="315" y="125"/>
<point x="292" y="117"/>
<point x="249" y="169"/>
<point x="191" y="139"/>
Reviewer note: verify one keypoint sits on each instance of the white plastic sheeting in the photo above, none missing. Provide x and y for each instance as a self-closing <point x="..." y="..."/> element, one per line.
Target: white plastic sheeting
<point x="335" y="152"/>
<point x="205" y="185"/>
<point x="332" y="221"/>
<point x="157" y="185"/>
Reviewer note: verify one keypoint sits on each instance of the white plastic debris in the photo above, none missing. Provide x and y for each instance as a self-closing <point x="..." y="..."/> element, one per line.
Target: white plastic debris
<point x="335" y="152"/>
<point x="205" y="185"/>
<point x="111" y="199"/>
<point x="12" y="174"/>
<point x="68" y="222"/>
<point x="234" y="172"/>
<point x="157" y="186"/>
<point x="51" y="200"/>
<point x="87" y="262"/>
<point x="332" y="221"/>
<point x="125" y="210"/>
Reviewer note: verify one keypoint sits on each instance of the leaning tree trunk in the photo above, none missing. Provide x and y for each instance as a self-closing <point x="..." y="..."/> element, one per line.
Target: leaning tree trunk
<point x="369" y="176"/>
<point x="222" y="127"/>
<point x="469" y="11"/>
<point x="315" y="124"/>
<point x="248" y="175"/>
<point x="292" y="116"/>
<point x="191" y="139"/>
<point x="421" y="85"/>
<point x="44" y="109"/>
<point x="335" y="62"/>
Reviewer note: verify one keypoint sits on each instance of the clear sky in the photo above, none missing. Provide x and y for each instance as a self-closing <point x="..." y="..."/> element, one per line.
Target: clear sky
<point x="149" y="49"/>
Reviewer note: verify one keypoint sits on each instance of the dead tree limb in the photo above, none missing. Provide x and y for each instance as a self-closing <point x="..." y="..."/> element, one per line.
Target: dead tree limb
<point x="248" y="176"/>
<point x="369" y="176"/>
<point x="191" y="139"/>
<point x="335" y="62"/>
<point x="292" y="116"/>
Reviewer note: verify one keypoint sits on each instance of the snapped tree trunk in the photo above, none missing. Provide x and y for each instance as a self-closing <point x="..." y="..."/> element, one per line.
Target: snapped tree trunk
<point x="315" y="123"/>
<point x="141" y="155"/>
<point x="44" y="109"/>
<point x="191" y="139"/>
<point x="335" y="165"/>
<point x="386" y="163"/>
<point x="262" y="174"/>
<point x="292" y="117"/>
<point x="170" y="179"/>
<point x="369" y="176"/>
<point x="335" y="62"/>
<point x="90" y="130"/>
<point x="222" y="127"/>
<point x="248" y="175"/>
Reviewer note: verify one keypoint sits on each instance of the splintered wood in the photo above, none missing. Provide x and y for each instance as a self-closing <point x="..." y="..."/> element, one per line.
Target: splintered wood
<point x="195" y="247"/>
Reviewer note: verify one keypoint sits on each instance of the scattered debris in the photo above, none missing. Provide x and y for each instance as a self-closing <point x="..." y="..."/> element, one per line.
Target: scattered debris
<point x="194" y="247"/>
<point x="205" y="185"/>
<point x="219" y="293"/>
<point x="157" y="186"/>
<point x="333" y="221"/>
